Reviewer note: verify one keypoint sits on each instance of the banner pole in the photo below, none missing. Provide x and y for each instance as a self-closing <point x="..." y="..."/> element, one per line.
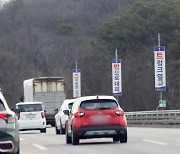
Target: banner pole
<point x="159" y="44"/>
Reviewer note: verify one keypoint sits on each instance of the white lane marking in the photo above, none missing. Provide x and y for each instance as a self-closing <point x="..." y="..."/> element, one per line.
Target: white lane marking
<point x="40" y="147"/>
<point x="155" y="142"/>
<point x="22" y="139"/>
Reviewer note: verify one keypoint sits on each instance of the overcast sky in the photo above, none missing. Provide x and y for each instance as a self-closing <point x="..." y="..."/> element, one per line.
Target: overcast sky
<point x="2" y="1"/>
<point x="5" y="0"/>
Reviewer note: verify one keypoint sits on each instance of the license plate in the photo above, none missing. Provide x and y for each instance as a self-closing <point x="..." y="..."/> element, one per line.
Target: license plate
<point x="31" y="116"/>
<point x="100" y="119"/>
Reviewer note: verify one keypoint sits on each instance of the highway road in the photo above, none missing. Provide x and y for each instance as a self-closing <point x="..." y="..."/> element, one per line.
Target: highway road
<point x="140" y="141"/>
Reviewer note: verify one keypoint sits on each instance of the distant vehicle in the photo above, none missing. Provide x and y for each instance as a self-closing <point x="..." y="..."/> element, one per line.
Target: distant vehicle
<point x="49" y="90"/>
<point x="9" y="130"/>
<point x="60" y="117"/>
<point x="31" y="116"/>
<point x="96" y="117"/>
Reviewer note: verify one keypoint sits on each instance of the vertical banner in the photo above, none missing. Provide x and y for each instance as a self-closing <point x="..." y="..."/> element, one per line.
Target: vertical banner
<point x="116" y="77"/>
<point x="159" y="67"/>
<point x="76" y="83"/>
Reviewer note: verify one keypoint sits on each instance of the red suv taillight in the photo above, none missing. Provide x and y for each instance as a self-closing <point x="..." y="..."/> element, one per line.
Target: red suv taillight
<point x="3" y="116"/>
<point x="79" y="114"/>
<point x="8" y="118"/>
<point x="119" y="112"/>
<point x="42" y="114"/>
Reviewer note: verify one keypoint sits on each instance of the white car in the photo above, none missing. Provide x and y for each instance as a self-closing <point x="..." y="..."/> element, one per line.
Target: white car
<point x="31" y="116"/>
<point x="60" y="117"/>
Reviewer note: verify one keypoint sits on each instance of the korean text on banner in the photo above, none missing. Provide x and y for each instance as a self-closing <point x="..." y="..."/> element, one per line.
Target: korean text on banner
<point x="76" y="83"/>
<point x="116" y="77"/>
<point x="160" y="70"/>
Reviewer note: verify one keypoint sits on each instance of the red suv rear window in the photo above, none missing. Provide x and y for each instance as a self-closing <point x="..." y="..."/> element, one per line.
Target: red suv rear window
<point x="99" y="104"/>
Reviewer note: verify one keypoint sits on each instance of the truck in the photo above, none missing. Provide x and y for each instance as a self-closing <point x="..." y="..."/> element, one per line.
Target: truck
<point x="48" y="90"/>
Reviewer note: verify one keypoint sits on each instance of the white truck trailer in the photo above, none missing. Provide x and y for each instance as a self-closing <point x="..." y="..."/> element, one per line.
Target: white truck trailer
<point x="49" y="91"/>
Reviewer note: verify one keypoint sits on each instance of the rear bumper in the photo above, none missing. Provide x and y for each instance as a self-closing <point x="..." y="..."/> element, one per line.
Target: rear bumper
<point x="32" y="125"/>
<point x="8" y="144"/>
<point x="99" y="131"/>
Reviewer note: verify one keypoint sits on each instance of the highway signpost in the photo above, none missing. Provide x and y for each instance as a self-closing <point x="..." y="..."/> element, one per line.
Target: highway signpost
<point x="76" y="83"/>
<point x="160" y="70"/>
<point x="116" y="77"/>
<point x="162" y="103"/>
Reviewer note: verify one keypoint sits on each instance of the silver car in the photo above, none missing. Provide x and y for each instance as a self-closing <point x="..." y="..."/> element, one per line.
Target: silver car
<point x="9" y="131"/>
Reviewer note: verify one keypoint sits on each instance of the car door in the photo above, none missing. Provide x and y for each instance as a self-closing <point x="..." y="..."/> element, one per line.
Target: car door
<point x="70" y="118"/>
<point x="59" y="115"/>
<point x="3" y="116"/>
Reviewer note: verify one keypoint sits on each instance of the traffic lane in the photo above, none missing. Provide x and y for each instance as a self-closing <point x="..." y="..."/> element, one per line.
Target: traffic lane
<point x="140" y="141"/>
<point x="164" y="135"/>
<point x="157" y="140"/>
<point x="35" y="142"/>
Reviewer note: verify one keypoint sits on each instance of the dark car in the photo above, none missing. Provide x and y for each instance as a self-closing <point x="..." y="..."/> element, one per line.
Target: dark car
<point x="9" y="131"/>
<point x="96" y="117"/>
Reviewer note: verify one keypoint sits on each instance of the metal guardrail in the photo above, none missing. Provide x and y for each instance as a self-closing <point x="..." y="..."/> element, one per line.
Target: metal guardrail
<point x="165" y="118"/>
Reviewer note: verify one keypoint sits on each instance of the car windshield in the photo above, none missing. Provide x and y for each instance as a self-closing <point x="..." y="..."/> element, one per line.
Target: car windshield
<point x="30" y="107"/>
<point x="98" y="104"/>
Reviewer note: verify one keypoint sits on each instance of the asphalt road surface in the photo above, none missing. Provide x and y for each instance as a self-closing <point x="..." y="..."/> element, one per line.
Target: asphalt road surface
<point x="140" y="141"/>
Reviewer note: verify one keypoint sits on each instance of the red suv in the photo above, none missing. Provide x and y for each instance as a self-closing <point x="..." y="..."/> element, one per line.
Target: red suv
<point x="96" y="117"/>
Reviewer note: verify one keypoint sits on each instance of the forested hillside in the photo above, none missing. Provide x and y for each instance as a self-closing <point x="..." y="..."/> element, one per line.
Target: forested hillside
<point x="46" y="37"/>
<point x="135" y="34"/>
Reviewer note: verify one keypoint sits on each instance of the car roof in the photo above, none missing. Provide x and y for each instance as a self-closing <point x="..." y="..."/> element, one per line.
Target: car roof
<point x="67" y="101"/>
<point x="22" y="103"/>
<point x="85" y="98"/>
<point x="95" y="97"/>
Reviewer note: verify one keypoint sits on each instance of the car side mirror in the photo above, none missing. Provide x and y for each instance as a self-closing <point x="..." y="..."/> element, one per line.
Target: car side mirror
<point x="17" y="111"/>
<point x="66" y="112"/>
<point x="56" y="111"/>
